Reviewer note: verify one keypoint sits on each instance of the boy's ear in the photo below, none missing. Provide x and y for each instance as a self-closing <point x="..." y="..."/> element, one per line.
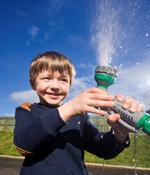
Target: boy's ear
<point x="32" y="84"/>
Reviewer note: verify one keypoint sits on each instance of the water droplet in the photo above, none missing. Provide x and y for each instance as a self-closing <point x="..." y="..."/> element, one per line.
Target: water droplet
<point x="120" y="66"/>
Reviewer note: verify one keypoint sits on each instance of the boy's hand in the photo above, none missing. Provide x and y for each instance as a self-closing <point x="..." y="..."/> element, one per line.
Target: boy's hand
<point x="93" y="100"/>
<point x="127" y="103"/>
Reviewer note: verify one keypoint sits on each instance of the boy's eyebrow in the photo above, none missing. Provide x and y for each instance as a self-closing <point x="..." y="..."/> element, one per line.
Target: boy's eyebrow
<point x="65" y="76"/>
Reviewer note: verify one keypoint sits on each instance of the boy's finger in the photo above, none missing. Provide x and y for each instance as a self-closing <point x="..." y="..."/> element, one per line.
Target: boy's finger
<point x="127" y="102"/>
<point x="119" y="97"/>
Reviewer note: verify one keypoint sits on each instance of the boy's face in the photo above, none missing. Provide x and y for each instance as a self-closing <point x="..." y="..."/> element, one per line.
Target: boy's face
<point x="52" y="88"/>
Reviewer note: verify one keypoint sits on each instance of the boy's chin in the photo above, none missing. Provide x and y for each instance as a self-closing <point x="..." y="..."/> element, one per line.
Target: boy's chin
<point x="54" y="103"/>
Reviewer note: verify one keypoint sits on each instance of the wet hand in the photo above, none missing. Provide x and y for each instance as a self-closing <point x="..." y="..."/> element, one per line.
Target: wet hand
<point x="93" y="100"/>
<point x="130" y="104"/>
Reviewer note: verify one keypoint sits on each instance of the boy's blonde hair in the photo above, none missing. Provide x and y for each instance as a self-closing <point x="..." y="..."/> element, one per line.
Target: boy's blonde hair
<point x="51" y="61"/>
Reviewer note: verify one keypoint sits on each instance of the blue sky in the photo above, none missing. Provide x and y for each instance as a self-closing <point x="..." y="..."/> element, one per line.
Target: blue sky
<point x="89" y="32"/>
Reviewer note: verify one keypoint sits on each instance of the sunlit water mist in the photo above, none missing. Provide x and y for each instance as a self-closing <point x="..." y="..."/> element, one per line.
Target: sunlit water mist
<point x="107" y="30"/>
<point x="120" y="30"/>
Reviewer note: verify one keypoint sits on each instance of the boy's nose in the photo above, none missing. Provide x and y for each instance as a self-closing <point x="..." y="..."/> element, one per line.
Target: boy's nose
<point x="54" y="84"/>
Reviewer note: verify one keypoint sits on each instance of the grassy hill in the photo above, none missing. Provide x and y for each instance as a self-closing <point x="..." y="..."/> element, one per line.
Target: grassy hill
<point x="137" y="154"/>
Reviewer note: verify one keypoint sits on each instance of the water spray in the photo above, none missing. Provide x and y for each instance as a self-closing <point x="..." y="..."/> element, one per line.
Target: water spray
<point x="138" y="121"/>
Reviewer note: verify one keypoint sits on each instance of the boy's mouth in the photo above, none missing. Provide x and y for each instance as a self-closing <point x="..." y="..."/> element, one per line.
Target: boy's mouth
<point x="53" y="95"/>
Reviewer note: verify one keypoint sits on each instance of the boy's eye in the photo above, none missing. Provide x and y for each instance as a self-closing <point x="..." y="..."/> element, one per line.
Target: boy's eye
<point x="46" y="78"/>
<point x="64" y="80"/>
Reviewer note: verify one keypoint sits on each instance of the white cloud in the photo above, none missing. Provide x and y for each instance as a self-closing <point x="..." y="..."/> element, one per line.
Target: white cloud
<point x="21" y="13"/>
<point x="89" y="66"/>
<point x="81" y="83"/>
<point x="33" y="31"/>
<point x="24" y="96"/>
<point x="53" y="7"/>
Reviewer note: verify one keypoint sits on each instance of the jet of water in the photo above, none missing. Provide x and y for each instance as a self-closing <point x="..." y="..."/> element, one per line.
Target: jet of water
<point x="107" y="30"/>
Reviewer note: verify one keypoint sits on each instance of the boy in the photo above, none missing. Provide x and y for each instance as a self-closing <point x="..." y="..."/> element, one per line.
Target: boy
<point x="53" y="136"/>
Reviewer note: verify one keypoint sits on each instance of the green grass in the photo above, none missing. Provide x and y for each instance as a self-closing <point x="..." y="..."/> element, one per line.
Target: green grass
<point x="125" y="158"/>
<point x="6" y="144"/>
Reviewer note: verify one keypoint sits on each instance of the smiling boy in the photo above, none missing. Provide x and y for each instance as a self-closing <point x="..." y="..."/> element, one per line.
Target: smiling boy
<point x="53" y="136"/>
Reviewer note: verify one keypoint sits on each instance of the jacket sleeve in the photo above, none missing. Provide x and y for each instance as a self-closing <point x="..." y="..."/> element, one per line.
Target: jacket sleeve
<point x="102" y="144"/>
<point x="32" y="132"/>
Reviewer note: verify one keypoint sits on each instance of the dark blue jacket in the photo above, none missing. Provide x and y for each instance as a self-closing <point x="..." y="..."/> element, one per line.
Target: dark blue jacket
<point x="52" y="147"/>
